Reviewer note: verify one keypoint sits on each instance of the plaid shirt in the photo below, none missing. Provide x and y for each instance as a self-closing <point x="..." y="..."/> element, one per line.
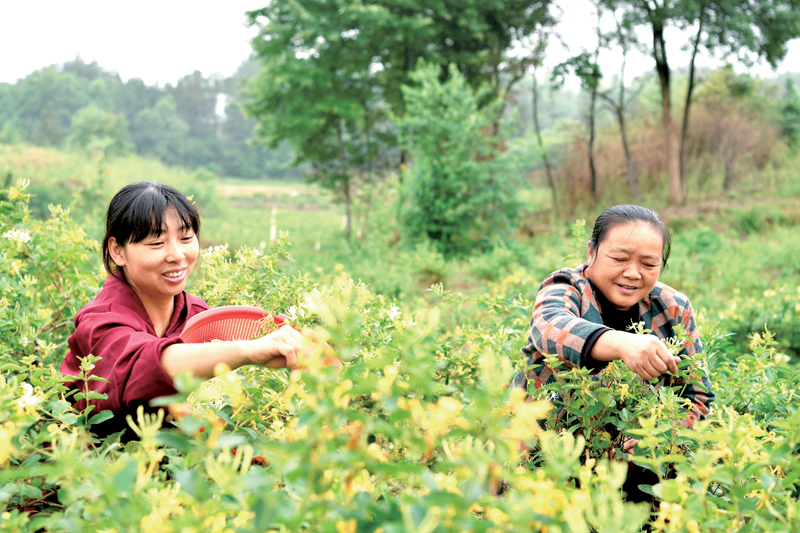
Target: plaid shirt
<point x="566" y="313"/>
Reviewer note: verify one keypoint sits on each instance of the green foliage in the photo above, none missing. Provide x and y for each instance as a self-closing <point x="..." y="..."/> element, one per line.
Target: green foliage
<point x="457" y="193"/>
<point x="416" y="432"/>
<point x="160" y="132"/>
<point x="790" y="116"/>
<point x="80" y="104"/>
<point x="95" y="129"/>
<point x="45" y="102"/>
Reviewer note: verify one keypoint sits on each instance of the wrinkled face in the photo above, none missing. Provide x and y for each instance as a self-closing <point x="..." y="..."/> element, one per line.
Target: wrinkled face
<point x="626" y="264"/>
<point x="158" y="267"/>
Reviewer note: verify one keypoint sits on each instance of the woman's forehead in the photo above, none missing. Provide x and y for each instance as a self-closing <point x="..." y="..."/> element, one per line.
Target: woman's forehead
<point x="630" y="236"/>
<point x="170" y="221"/>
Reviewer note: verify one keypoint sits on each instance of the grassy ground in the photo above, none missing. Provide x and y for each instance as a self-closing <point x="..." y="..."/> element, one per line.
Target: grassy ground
<point x="736" y="258"/>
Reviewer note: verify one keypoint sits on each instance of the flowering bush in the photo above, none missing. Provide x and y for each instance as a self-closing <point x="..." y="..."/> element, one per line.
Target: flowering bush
<point x="417" y="432"/>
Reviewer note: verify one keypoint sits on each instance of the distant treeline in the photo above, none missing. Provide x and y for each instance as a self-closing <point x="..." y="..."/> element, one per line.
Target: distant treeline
<point x="197" y="122"/>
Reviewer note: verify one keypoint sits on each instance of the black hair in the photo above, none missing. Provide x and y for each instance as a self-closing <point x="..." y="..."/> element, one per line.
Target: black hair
<point x="137" y="212"/>
<point x="622" y="214"/>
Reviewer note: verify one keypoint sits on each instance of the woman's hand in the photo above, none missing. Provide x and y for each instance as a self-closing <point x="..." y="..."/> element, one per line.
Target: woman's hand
<point x="648" y="357"/>
<point x="285" y="347"/>
<point x="645" y="355"/>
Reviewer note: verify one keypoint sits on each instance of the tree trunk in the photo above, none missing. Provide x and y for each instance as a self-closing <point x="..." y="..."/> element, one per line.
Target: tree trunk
<point x="670" y="137"/>
<point x="628" y="157"/>
<point x="620" y="108"/>
<point x="687" y="104"/>
<point x="538" y="130"/>
<point x="592" y="169"/>
<point x="345" y="180"/>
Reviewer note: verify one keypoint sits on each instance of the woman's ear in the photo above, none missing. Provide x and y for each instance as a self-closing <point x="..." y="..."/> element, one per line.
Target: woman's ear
<point x="589" y="253"/>
<point x="115" y="251"/>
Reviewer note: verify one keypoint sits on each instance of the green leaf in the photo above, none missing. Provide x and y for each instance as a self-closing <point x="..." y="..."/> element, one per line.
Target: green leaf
<point x="102" y="416"/>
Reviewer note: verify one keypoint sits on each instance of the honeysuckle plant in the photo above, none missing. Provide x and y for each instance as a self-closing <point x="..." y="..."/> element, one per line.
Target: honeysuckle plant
<point x="418" y="430"/>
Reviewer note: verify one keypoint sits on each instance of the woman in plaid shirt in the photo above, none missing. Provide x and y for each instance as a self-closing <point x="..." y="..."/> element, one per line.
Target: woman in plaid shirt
<point x="582" y="315"/>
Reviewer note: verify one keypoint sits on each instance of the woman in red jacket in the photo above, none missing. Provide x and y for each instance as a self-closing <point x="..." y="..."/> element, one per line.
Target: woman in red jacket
<point x="134" y="325"/>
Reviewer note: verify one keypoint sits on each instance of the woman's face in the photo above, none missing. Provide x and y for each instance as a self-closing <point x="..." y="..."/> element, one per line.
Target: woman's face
<point x="626" y="264"/>
<point x="158" y="267"/>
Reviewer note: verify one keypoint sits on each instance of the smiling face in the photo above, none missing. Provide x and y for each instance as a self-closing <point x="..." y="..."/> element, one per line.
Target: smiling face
<point x="157" y="267"/>
<point x="626" y="264"/>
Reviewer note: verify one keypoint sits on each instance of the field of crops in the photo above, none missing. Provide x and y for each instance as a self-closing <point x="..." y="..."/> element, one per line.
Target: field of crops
<point x="418" y="431"/>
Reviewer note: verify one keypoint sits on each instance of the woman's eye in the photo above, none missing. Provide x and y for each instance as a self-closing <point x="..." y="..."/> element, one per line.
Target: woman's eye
<point x="188" y="239"/>
<point x="618" y="259"/>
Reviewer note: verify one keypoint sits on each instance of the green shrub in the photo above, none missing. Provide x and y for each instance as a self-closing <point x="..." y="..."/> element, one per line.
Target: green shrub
<point x="456" y="192"/>
<point x="416" y="432"/>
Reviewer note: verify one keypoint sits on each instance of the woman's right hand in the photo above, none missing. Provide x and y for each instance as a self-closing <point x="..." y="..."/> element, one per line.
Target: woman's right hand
<point x="284" y="347"/>
<point x="646" y="355"/>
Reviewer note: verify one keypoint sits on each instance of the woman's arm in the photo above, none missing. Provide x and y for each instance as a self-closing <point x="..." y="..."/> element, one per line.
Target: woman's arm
<point x="645" y="355"/>
<point x="558" y="327"/>
<point x="282" y="348"/>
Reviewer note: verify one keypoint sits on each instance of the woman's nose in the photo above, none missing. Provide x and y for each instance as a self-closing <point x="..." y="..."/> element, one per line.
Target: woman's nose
<point x="632" y="272"/>
<point x="175" y="252"/>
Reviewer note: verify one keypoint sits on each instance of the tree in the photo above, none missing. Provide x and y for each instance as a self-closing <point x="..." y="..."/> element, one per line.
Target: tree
<point x="587" y="70"/>
<point x="538" y="130"/>
<point x="8" y="115"/>
<point x="45" y="102"/>
<point x="623" y="37"/>
<point x="458" y="194"/>
<point x="133" y="97"/>
<point x="745" y="29"/>
<point x="94" y="128"/>
<point x="790" y="114"/>
<point x="318" y="90"/>
<point x="333" y="69"/>
<point x="161" y="132"/>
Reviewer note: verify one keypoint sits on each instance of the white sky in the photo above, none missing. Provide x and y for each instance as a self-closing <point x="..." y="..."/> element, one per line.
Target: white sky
<point x="578" y="26"/>
<point x="161" y="41"/>
<point x="158" y="41"/>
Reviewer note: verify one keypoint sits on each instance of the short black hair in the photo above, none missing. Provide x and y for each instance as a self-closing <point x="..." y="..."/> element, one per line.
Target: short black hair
<point x="137" y="211"/>
<point x="622" y="214"/>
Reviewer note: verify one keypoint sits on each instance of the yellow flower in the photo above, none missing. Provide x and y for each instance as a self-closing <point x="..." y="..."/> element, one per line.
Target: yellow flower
<point x="526" y="415"/>
<point x="243" y="518"/>
<point x="7" y="432"/>
<point x="339" y="397"/>
<point x="216" y="522"/>
<point x="376" y="452"/>
<point x="361" y="482"/>
<point x="346" y="526"/>
<point x="496" y="515"/>
<point x="447" y="483"/>
<point x="221" y="369"/>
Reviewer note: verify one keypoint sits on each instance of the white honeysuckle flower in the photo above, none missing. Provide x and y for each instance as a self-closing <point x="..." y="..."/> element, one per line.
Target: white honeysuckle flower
<point x="292" y="312"/>
<point x="394" y="312"/>
<point x="24" y="341"/>
<point x="29" y="398"/>
<point x="18" y="236"/>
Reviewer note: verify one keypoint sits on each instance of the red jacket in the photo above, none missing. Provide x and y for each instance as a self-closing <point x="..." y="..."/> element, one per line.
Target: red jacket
<point x="116" y="327"/>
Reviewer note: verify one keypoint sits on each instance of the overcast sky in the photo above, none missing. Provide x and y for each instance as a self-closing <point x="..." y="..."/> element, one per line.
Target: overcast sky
<point x="165" y="40"/>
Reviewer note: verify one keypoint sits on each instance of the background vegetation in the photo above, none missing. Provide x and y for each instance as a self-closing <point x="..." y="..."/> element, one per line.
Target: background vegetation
<point x="419" y="180"/>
